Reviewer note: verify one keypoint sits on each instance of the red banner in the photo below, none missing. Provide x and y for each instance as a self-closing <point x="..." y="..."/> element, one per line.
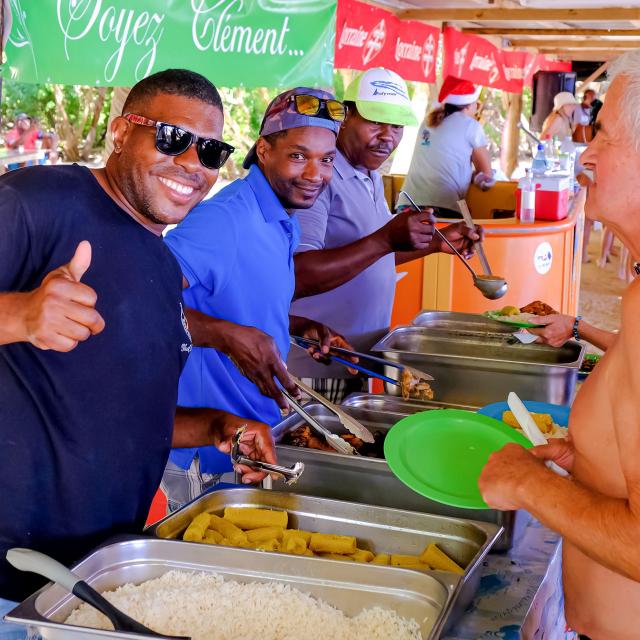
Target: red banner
<point x="367" y="37"/>
<point x="475" y="59"/>
<point x="541" y="63"/>
<point x="472" y="58"/>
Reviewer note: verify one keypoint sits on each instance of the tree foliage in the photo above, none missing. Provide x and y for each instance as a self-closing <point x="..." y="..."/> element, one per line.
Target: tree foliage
<point x="78" y="114"/>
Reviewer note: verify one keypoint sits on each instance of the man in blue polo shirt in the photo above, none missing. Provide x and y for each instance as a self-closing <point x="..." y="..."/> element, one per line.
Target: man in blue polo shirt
<point x="236" y="253"/>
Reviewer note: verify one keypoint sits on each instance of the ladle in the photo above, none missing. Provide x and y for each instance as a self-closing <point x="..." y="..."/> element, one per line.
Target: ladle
<point x="36" y="562"/>
<point x="491" y="287"/>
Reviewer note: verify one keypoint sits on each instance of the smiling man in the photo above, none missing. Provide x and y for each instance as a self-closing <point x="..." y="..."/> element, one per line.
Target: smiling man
<point x="596" y="508"/>
<point x="92" y="330"/>
<point x="236" y="253"/>
<point x="350" y="242"/>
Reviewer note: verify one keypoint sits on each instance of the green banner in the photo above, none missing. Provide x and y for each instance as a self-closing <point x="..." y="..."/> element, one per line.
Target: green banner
<point x="252" y="43"/>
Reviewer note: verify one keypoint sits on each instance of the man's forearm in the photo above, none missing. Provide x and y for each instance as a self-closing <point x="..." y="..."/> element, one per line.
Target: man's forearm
<point x="12" y="327"/>
<point x="603" y="528"/>
<point x="597" y="337"/>
<point x="202" y="427"/>
<point x="207" y="331"/>
<point x="321" y="270"/>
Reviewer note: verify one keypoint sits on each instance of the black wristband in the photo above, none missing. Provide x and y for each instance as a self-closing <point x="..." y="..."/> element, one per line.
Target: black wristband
<point x="576" y="335"/>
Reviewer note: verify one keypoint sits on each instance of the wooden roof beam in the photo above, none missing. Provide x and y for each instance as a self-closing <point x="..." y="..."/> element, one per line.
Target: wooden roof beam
<point x="585" y="55"/>
<point x="503" y="14"/>
<point x="514" y="31"/>
<point x="576" y="44"/>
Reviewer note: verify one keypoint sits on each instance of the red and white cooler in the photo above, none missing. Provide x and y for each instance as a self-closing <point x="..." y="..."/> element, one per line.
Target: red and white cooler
<point x="552" y="196"/>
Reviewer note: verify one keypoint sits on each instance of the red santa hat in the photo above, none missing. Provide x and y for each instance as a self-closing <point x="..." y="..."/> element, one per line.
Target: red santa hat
<point x="458" y="92"/>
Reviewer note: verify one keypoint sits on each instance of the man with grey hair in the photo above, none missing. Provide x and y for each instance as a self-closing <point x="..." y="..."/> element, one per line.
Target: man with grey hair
<point x="597" y="507"/>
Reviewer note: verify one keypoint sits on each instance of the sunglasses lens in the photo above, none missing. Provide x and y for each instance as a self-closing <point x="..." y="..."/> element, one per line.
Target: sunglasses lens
<point x="172" y="140"/>
<point x="307" y="105"/>
<point x="335" y="110"/>
<point x="213" y="153"/>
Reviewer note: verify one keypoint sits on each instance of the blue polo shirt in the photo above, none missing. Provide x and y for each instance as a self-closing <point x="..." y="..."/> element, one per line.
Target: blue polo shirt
<point x="236" y="251"/>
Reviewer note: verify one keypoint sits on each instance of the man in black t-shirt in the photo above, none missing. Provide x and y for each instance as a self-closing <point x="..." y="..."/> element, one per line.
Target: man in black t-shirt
<point x="93" y="331"/>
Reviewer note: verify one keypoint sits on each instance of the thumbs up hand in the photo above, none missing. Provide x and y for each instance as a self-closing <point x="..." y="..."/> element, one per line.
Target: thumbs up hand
<point x="61" y="311"/>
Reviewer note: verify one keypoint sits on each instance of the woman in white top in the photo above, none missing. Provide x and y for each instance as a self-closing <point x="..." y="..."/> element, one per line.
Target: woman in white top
<point x="450" y="147"/>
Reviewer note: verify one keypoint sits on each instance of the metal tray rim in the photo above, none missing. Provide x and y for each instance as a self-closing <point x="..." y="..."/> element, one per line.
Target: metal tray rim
<point x="492" y="531"/>
<point x="381" y="346"/>
<point x="26" y="613"/>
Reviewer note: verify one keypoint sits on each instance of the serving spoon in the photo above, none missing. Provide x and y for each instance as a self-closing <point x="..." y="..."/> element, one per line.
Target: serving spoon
<point x="36" y="562"/>
<point x="490" y="286"/>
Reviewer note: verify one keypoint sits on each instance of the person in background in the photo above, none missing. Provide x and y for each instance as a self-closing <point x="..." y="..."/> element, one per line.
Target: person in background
<point x="583" y="131"/>
<point x="451" y="151"/>
<point x="565" y="117"/>
<point x="350" y="243"/>
<point x="50" y="147"/>
<point x="92" y="331"/>
<point x="596" y="508"/>
<point x="23" y="134"/>
<point x="236" y="253"/>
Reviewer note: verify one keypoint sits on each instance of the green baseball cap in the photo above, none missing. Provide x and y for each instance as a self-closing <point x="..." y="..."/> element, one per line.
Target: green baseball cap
<point x="382" y="96"/>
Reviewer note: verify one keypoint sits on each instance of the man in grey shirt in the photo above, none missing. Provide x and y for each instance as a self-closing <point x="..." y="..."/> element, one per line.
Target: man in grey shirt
<point x="350" y="241"/>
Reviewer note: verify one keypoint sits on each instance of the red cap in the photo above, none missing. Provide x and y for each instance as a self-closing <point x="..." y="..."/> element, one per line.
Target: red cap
<point x="458" y="92"/>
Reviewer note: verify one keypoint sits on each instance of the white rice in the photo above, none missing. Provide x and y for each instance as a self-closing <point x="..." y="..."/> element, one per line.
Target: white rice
<point x="207" y="607"/>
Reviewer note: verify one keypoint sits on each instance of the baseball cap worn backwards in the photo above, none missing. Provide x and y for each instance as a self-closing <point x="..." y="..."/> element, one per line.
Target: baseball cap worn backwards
<point x="281" y="115"/>
<point x="382" y="96"/>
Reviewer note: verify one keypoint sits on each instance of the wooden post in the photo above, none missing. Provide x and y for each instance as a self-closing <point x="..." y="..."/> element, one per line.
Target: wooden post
<point x="511" y="135"/>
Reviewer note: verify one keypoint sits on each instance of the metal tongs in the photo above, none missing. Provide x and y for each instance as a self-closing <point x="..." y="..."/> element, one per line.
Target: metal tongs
<point x="349" y="423"/>
<point x="416" y="373"/>
<point x="332" y="439"/>
<point x="289" y="474"/>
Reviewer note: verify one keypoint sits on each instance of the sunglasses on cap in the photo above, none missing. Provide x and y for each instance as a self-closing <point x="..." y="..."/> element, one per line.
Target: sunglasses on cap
<point x="308" y="105"/>
<point x="172" y="140"/>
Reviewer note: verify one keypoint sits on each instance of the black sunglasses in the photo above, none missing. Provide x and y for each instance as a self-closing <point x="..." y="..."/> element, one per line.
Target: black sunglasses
<point x="173" y="140"/>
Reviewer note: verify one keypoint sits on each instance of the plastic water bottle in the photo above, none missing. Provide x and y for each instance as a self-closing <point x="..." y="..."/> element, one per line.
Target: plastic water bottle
<point x="568" y="150"/>
<point x="539" y="164"/>
<point x="528" y="199"/>
<point x="550" y="154"/>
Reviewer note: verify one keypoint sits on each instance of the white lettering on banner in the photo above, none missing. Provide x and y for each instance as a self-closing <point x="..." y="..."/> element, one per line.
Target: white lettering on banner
<point x="352" y="37"/>
<point x="513" y="73"/>
<point x="495" y="73"/>
<point x="459" y="58"/>
<point x="143" y="30"/>
<point x="407" y="51"/>
<point x="428" y="55"/>
<point x="212" y="32"/>
<point x="374" y="42"/>
<point x="485" y="63"/>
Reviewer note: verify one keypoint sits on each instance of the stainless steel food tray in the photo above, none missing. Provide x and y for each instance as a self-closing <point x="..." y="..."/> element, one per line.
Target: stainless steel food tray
<point x="374" y="403"/>
<point x="472" y="323"/>
<point x="369" y="480"/>
<point x="349" y="586"/>
<point x="481" y="369"/>
<point x="378" y="529"/>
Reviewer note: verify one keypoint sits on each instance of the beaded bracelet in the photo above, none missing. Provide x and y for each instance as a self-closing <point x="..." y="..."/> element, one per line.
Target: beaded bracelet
<point x="576" y="335"/>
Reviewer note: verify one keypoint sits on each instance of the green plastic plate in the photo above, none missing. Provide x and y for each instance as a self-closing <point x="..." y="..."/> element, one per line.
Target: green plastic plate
<point x="440" y="454"/>
<point x="494" y="315"/>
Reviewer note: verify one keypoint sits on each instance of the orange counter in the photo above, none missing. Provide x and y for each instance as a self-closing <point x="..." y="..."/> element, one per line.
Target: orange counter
<point x="540" y="261"/>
